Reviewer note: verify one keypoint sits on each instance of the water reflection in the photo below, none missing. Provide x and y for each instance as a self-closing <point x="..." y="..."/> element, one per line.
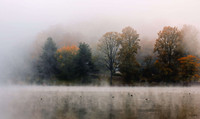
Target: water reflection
<point x="99" y="103"/>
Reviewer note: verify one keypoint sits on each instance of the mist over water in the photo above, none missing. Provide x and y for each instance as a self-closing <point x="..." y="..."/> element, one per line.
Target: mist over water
<point x="37" y="102"/>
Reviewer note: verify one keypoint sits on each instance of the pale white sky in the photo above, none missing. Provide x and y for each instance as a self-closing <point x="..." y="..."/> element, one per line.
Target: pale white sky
<point x="24" y="18"/>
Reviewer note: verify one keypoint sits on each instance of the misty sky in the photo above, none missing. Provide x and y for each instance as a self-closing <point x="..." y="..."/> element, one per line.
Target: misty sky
<point x="25" y="18"/>
<point x="22" y="20"/>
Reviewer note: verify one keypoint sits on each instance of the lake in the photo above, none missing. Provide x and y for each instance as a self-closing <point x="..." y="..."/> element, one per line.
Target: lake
<point x="76" y="102"/>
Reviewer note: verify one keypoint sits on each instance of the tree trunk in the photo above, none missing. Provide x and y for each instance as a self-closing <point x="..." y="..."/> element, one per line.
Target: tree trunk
<point x="111" y="78"/>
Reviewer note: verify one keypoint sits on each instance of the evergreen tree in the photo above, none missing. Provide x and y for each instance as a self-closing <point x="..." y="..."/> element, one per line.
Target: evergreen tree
<point x="47" y="66"/>
<point x="84" y="61"/>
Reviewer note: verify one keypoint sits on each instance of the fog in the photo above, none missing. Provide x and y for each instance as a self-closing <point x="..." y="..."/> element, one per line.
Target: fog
<point x="24" y="22"/>
<point x="99" y="102"/>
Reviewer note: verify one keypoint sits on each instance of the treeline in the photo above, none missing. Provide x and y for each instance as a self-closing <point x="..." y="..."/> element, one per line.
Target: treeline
<point x="66" y="63"/>
<point x="174" y="60"/>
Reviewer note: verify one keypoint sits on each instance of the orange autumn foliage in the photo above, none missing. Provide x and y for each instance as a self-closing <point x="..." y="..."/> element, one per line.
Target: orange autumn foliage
<point x="65" y="56"/>
<point x="73" y="49"/>
<point x="189" y="67"/>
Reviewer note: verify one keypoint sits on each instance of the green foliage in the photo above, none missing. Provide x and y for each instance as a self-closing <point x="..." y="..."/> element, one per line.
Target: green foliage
<point x="84" y="63"/>
<point x="66" y="62"/>
<point x="47" y="64"/>
<point x="75" y="62"/>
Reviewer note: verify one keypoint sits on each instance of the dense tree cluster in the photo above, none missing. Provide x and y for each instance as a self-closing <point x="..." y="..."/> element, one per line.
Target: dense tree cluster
<point x="171" y="61"/>
<point x="66" y="59"/>
<point x="66" y="63"/>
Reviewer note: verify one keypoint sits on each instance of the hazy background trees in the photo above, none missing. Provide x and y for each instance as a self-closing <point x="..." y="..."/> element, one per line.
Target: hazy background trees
<point x="190" y="40"/>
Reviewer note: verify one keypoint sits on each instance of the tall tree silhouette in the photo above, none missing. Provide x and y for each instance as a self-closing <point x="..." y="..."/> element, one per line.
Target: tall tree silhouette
<point x="47" y="66"/>
<point x="109" y="46"/>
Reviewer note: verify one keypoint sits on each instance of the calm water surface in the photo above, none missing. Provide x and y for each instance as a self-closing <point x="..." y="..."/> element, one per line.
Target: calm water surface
<point x="52" y="102"/>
